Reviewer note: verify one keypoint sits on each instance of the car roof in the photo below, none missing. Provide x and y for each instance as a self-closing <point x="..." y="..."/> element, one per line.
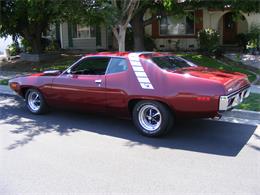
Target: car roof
<point x="125" y="54"/>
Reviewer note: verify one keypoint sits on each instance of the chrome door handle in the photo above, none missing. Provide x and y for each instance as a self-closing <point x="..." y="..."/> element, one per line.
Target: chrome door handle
<point x="98" y="81"/>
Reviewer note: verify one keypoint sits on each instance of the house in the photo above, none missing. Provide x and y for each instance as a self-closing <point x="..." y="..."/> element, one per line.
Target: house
<point x="91" y="38"/>
<point x="168" y="32"/>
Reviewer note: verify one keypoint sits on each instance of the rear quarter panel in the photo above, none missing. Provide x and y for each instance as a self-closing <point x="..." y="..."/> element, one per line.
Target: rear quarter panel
<point x="178" y="91"/>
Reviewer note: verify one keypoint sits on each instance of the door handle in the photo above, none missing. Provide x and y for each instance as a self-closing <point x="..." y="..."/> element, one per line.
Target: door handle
<point x="74" y="76"/>
<point x="98" y="81"/>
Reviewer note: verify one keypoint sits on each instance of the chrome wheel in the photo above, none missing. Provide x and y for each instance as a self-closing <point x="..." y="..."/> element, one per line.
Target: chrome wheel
<point x="34" y="101"/>
<point x="150" y="117"/>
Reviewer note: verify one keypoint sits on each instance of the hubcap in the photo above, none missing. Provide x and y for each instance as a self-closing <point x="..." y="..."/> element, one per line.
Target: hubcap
<point x="150" y="117"/>
<point x="34" y="101"/>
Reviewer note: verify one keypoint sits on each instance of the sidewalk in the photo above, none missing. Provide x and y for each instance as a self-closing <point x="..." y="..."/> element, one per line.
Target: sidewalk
<point x="246" y="59"/>
<point x="4" y="89"/>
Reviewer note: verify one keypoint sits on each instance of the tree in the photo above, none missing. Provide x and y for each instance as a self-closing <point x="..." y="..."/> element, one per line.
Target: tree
<point x="114" y="13"/>
<point x="125" y="11"/>
<point x="31" y="18"/>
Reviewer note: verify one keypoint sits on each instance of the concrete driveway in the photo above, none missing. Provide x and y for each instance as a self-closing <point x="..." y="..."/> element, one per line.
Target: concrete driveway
<point x="72" y="153"/>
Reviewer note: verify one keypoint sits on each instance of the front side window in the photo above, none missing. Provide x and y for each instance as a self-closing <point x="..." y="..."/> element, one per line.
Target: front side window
<point x="91" y="66"/>
<point x="171" y="25"/>
<point x="171" y="62"/>
<point x="81" y="31"/>
<point x="117" y="65"/>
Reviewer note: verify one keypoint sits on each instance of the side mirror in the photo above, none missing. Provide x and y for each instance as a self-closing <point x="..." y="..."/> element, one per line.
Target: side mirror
<point x="69" y="71"/>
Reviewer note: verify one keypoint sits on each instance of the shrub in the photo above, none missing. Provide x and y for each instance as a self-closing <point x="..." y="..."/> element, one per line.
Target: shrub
<point x="208" y="40"/>
<point x="26" y="46"/>
<point x="243" y="39"/>
<point x="254" y="37"/>
<point x="14" y="49"/>
<point x="149" y="44"/>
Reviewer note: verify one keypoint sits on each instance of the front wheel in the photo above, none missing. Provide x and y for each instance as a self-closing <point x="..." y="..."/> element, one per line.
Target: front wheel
<point x="35" y="101"/>
<point x="152" y="118"/>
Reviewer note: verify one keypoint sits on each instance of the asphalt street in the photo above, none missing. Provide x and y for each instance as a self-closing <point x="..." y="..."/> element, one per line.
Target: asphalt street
<point x="71" y="153"/>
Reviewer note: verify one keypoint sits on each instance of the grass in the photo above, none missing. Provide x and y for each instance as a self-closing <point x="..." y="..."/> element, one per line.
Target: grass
<point x="251" y="103"/>
<point x="60" y="63"/>
<point x="213" y="63"/>
<point x="4" y="82"/>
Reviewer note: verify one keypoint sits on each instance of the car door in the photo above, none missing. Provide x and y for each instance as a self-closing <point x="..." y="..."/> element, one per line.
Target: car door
<point x="83" y="86"/>
<point x="117" y="84"/>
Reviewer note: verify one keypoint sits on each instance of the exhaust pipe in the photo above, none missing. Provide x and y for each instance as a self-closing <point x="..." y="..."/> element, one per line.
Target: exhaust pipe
<point x="217" y="117"/>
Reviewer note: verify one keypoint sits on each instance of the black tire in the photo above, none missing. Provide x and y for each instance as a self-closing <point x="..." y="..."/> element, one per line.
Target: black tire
<point x="161" y="128"/>
<point x="42" y="107"/>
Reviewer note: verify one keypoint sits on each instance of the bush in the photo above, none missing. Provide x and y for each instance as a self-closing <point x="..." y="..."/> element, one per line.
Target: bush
<point x="14" y="49"/>
<point x="208" y="40"/>
<point x="243" y="39"/>
<point x="26" y="46"/>
<point x="149" y="44"/>
<point x="254" y="37"/>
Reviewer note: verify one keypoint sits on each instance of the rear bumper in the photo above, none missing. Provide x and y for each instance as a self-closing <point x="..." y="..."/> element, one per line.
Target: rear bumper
<point x="230" y="101"/>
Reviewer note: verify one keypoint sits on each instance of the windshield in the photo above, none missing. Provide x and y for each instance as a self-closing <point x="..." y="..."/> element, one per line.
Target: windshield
<point x="171" y="62"/>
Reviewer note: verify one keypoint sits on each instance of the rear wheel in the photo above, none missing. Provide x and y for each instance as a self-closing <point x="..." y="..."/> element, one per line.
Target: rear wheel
<point x="35" y="101"/>
<point x="152" y="118"/>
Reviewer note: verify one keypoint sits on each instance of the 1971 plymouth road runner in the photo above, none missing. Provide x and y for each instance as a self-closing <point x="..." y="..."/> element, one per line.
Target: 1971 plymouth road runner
<point x="153" y="88"/>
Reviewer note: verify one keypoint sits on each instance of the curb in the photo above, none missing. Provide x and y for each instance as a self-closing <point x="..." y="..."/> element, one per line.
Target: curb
<point x="243" y="114"/>
<point x="4" y="89"/>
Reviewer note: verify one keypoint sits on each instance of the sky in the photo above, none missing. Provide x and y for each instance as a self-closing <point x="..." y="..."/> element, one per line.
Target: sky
<point x="4" y="43"/>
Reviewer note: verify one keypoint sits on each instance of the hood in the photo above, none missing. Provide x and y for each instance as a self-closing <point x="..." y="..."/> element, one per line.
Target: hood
<point x="48" y="73"/>
<point x="232" y="81"/>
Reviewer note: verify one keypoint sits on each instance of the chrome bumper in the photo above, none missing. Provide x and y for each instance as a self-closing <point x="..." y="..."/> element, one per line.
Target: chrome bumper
<point x="233" y="99"/>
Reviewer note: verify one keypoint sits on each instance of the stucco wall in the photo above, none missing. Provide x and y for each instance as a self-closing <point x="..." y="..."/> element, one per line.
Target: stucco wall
<point x="104" y="43"/>
<point x="253" y="19"/>
<point x="64" y="35"/>
<point x="88" y="44"/>
<point x="184" y="43"/>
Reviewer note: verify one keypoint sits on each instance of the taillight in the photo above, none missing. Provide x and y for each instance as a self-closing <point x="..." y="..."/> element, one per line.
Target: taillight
<point x="203" y="99"/>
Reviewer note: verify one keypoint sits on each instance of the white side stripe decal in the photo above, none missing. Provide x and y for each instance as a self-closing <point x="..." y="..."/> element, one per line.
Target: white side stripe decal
<point x="139" y="71"/>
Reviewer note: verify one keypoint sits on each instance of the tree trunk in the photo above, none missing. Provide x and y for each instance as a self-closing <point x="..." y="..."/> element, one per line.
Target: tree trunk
<point x="34" y="41"/>
<point x="37" y="44"/>
<point x="138" y="31"/>
<point x="120" y="36"/>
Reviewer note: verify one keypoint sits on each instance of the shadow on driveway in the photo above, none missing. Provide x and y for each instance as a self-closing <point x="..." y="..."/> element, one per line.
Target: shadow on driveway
<point x="206" y="136"/>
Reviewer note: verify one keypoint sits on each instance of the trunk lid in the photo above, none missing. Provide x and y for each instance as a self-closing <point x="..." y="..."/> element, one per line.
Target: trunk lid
<point x="232" y="81"/>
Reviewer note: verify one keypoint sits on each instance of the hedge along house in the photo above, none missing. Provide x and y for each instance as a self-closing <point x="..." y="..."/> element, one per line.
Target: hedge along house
<point x="173" y="33"/>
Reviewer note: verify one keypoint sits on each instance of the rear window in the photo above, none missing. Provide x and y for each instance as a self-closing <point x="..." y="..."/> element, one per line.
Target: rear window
<point x="171" y="62"/>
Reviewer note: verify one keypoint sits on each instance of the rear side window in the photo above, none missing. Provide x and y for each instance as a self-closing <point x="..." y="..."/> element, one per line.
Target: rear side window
<point x="91" y="66"/>
<point x="117" y="65"/>
<point x="170" y="62"/>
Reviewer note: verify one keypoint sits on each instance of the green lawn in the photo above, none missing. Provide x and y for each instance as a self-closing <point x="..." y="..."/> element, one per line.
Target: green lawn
<point x="4" y="82"/>
<point x="251" y="103"/>
<point x="213" y="63"/>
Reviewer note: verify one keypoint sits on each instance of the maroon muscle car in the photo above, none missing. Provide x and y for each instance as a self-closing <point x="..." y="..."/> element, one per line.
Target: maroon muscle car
<point x="153" y="88"/>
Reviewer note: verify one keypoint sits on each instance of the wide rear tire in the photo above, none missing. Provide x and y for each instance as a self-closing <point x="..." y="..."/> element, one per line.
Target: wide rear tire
<point x="152" y="118"/>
